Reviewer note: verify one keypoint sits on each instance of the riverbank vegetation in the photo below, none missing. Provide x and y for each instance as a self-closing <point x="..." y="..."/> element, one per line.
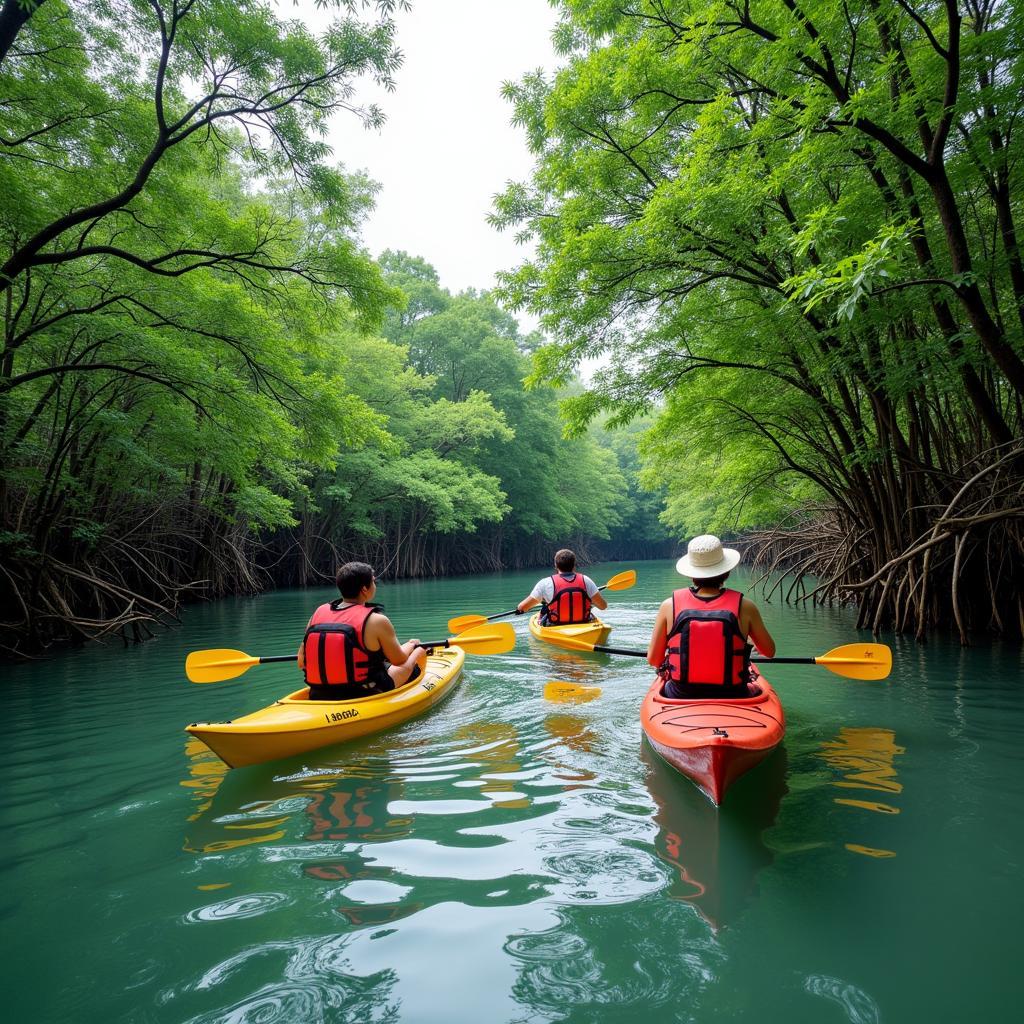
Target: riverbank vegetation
<point x="793" y="228"/>
<point x="206" y="385"/>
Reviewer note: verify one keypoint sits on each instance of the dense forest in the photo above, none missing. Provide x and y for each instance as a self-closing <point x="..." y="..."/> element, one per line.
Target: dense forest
<point x="785" y="233"/>
<point x="792" y="229"/>
<point x="207" y="386"/>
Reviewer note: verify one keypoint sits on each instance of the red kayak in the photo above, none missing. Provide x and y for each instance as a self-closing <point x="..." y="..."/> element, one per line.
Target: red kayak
<point x="712" y="741"/>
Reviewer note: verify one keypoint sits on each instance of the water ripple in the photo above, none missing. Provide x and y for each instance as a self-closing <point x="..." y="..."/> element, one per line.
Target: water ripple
<point x="252" y="905"/>
<point x="858" y="1006"/>
<point x="310" y="1001"/>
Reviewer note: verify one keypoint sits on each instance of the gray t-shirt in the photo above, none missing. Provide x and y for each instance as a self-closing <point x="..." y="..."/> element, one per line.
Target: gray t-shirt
<point x="545" y="588"/>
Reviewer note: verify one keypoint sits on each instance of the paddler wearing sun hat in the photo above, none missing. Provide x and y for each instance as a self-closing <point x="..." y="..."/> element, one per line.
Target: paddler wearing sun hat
<point x="702" y="636"/>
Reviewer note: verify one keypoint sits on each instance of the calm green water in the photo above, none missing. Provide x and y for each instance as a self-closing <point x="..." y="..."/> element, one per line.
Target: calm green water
<point x="504" y="858"/>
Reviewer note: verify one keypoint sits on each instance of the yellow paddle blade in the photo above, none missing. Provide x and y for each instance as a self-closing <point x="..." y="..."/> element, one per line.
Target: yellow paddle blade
<point x="570" y="693"/>
<point x="490" y="638"/>
<point x="564" y="640"/>
<point x="217" y="665"/>
<point x="463" y="622"/>
<point x="623" y="581"/>
<point x="858" y="661"/>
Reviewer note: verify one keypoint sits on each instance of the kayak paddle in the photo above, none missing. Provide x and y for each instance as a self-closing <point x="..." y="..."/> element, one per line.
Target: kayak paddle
<point x="623" y="581"/>
<point x="854" y="661"/>
<point x="215" y="666"/>
<point x="570" y="693"/>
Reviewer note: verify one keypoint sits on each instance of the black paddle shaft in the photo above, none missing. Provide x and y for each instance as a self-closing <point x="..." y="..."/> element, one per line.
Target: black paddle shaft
<point x="279" y="657"/>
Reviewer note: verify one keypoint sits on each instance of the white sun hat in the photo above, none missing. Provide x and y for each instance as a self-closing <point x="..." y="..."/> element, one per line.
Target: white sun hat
<point x="705" y="557"/>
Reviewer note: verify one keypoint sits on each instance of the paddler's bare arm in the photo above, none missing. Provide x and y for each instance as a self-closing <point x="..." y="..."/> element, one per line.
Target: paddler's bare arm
<point x="754" y="627"/>
<point x="659" y="635"/>
<point x="380" y="635"/>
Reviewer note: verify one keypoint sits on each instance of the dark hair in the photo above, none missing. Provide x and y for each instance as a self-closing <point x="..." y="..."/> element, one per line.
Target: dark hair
<point x="565" y="560"/>
<point x="712" y="582"/>
<point x="352" y="577"/>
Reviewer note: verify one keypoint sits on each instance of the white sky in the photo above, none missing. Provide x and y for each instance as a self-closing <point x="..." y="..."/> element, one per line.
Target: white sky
<point x="448" y="146"/>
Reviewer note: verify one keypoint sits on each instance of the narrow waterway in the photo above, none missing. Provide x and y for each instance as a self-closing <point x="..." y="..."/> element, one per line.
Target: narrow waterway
<point x="505" y="858"/>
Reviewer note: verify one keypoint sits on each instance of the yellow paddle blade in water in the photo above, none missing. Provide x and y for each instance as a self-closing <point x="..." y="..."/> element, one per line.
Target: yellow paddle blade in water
<point x="858" y="661"/>
<point x="570" y="693"/>
<point x="489" y="638"/>
<point x="216" y="665"/>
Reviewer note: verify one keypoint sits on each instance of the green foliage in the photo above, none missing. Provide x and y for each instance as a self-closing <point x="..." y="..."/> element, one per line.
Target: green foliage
<point x="177" y="252"/>
<point x="197" y="350"/>
<point x="469" y="445"/>
<point x="774" y="228"/>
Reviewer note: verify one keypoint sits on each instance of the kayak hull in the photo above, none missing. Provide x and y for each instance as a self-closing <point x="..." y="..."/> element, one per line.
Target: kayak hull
<point x="296" y="725"/>
<point x="713" y="742"/>
<point x="593" y="632"/>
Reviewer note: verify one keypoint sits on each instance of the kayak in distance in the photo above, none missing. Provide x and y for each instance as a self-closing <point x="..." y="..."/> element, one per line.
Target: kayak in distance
<point x="296" y="725"/>
<point x="592" y="632"/>
<point x="714" y="741"/>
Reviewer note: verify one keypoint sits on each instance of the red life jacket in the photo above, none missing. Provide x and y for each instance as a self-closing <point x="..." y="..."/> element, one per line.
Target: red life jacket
<point x="335" y="653"/>
<point x="705" y="646"/>
<point x="570" y="601"/>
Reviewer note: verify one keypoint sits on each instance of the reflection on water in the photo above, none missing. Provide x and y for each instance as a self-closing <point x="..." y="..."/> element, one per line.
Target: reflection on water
<point x="573" y="732"/>
<point x="504" y="858"/>
<point x="495" y="745"/>
<point x="206" y="773"/>
<point x="573" y="736"/>
<point x="867" y="757"/>
<point x="585" y="668"/>
<point x="715" y="853"/>
<point x="217" y="831"/>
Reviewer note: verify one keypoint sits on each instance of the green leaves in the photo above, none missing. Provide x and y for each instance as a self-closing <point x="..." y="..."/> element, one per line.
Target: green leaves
<point x="852" y="278"/>
<point x="777" y="227"/>
<point x="177" y="254"/>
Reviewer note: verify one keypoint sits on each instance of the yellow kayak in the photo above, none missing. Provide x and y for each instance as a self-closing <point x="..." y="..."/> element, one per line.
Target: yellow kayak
<point x="592" y="632"/>
<point x="295" y="725"/>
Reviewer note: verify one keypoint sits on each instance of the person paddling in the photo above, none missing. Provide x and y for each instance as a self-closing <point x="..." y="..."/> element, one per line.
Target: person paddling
<point x="350" y="648"/>
<point x="699" y="644"/>
<point x="566" y="597"/>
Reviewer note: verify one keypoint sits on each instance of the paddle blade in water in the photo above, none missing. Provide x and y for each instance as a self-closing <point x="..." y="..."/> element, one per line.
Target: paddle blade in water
<point x="858" y="661"/>
<point x="623" y="581"/>
<point x="490" y="638"/>
<point x="464" y="622"/>
<point x="217" y="665"/>
<point x="570" y="693"/>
